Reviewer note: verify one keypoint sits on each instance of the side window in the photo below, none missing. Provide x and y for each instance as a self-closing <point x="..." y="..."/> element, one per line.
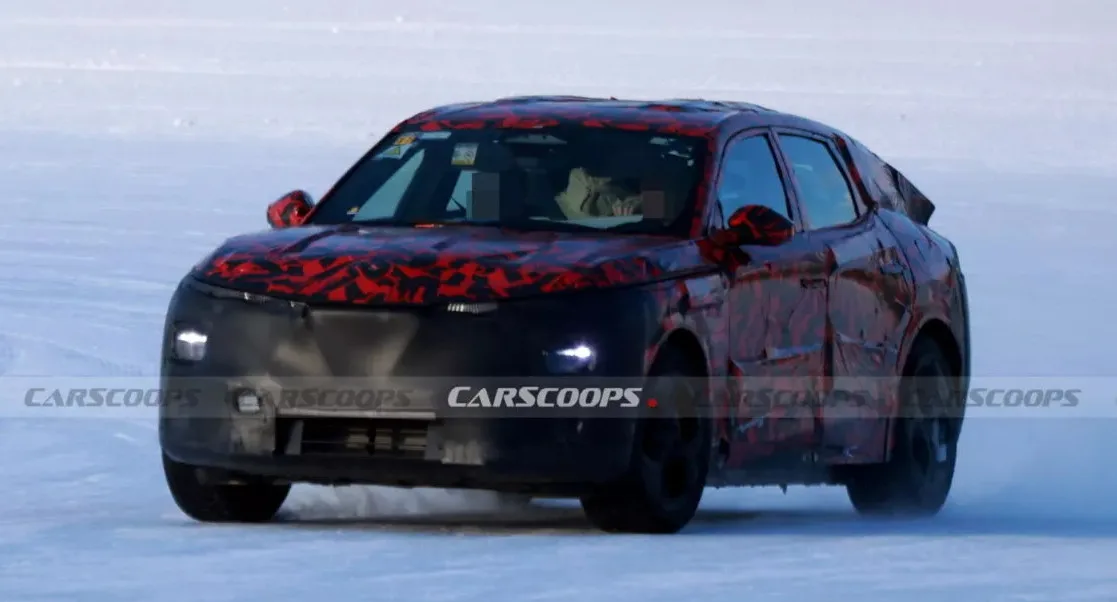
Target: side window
<point x="749" y="176"/>
<point x="460" y="197"/>
<point x="826" y="197"/>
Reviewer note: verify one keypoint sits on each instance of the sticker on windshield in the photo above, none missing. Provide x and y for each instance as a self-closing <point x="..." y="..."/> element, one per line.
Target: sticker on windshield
<point x="393" y="152"/>
<point x="399" y="147"/>
<point x="434" y="135"/>
<point x="464" y="154"/>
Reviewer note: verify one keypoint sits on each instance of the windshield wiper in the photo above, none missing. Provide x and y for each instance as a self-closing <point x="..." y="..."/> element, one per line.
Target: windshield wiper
<point x="532" y="225"/>
<point x="378" y="221"/>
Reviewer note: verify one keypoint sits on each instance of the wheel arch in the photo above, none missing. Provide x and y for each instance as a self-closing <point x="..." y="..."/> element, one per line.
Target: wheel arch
<point x="687" y="343"/>
<point x="939" y="332"/>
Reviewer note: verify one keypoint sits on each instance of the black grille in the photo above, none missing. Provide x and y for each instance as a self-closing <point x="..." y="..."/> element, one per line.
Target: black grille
<point x="269" y="336"/>
<point x="420" y="343"/>
<point x="395" y="438"/>
<point x="251" y="339"/>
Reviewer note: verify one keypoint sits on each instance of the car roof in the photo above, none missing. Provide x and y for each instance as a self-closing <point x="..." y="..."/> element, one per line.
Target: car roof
<point x="693" y="117"/>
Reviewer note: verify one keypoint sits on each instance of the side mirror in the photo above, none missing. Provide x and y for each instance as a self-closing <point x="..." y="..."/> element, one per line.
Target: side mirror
<point x="757" y="225"/>
<point x="290" y="210"/>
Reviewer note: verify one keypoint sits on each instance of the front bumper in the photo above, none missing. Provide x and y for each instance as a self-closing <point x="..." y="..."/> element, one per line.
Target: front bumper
<point x="253" y="340"/>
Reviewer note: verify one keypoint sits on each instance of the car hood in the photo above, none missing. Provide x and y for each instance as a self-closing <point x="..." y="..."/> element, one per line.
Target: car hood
<point x="421" y="266"/>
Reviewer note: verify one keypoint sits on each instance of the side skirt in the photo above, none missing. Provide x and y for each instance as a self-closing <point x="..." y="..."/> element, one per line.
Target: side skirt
<point x="781" y="469"/>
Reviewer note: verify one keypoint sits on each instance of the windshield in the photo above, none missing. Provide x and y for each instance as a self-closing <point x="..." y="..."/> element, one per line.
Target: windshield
<point x="573" y="178"/>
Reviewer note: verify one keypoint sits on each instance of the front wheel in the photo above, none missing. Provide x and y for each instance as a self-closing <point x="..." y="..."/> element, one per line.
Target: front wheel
<point x="917" y="478"/>
<point x="254" y="501"/>
<point x="670" y="461"/>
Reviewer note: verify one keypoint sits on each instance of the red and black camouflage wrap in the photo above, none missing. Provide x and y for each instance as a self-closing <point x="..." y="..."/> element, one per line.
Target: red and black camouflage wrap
<point x="453" y="264"/>
<point x="291" y="210"/>
<point x="773" y="324"/>
<point x="847" y="302"/>
<point x="675" y="118"/>
<point x="756" y="222"/>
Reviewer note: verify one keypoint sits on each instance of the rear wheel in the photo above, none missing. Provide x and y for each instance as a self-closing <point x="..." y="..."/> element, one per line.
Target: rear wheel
<point x="917" y="478"/>
<point x="670" y="460"/>
<point x="254" y="501"/>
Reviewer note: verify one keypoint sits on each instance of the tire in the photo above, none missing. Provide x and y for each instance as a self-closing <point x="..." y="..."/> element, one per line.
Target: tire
<point x="252" y="502"/>
<point x="916" y="480"/>
<point x="663" y="486"/>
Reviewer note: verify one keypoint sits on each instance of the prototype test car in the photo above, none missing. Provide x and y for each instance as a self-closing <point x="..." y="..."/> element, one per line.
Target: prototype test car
<point x="710" y="242"/>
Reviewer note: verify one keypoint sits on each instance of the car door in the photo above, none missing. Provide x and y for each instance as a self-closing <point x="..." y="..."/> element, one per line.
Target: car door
<point x="865" y="321"/>
<point x="778" y="305"/>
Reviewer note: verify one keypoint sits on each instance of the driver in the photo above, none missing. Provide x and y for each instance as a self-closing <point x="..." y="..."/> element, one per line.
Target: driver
<point x="595" y="196"/>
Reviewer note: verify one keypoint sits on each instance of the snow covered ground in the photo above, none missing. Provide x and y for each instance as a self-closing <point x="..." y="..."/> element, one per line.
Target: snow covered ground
<point x="137" y="134"/>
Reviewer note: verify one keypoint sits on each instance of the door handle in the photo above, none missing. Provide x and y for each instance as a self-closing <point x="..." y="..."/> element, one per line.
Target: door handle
<point x="815" y="282"/>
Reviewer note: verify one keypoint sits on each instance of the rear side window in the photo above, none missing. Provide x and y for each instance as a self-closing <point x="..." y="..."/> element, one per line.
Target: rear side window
<point x="825" y="195"/>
